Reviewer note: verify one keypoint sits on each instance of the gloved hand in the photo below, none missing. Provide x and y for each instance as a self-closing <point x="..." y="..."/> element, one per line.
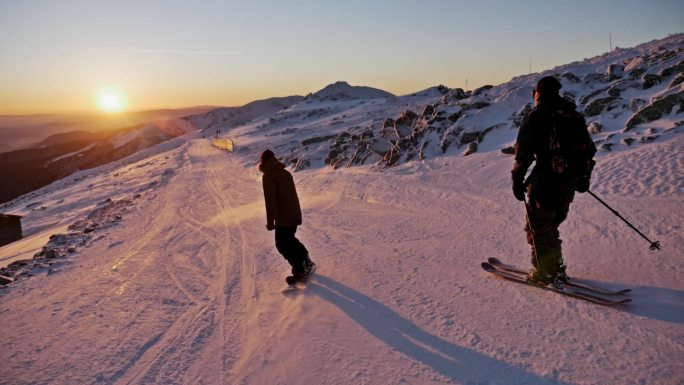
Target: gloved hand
<point x="519" y="190"/>
<point x="270" y="227"/>
<point x="582" y="184"/>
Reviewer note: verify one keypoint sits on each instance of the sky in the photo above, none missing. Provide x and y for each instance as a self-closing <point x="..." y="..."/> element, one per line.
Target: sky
<point x="59" y="56"/>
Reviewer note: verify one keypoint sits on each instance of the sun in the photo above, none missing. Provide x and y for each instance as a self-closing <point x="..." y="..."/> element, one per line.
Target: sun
<point x="111" y="100"/>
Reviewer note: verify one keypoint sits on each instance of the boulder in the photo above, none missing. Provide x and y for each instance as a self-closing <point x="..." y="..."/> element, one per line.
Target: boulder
<point x="675" y="69"/>
<point x="455" y="94"/>
<point x="588" y="97"/>
<point x="615" y="71"/>
<point x="636" y="104"/>
<point x="454" y="117"/>
<point x="648" y="138"/>
<point x="650" y="80"/>
<point x="380" y="146"/>
<point x="636" y="73"/>
<point x="617" y="88"/>
<point x="481" y="90"/>
<point x="627" y="141"/>
<point x="302" y="164"/>
<point x="318" y="139"/>
<point x="469" y="137"/>
<point x="599" y="105"/>
<point x="657" y="109"/>
<point x="429" y="110"/>
<point x="510" y="150"/>
<point x="595" y="128"/>
<point x="679" y="79"/>
<point x="471" y="149"/>
<point x="569" y="76"/>
<point x="593" y="78"/>
<point x="606" y="146"/>
<point x="474" y="106"/>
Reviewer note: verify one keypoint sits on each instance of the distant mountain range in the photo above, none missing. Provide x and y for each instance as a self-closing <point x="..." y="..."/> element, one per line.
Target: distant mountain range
<point x="629" y="96"/>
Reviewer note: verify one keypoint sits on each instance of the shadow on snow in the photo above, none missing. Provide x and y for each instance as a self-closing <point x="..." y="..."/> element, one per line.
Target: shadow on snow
<point x="453" y="361"/>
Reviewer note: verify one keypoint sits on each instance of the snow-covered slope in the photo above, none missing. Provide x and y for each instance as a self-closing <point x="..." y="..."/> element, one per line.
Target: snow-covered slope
<point x="629" y="96"/>
<point x="162" y="271"/>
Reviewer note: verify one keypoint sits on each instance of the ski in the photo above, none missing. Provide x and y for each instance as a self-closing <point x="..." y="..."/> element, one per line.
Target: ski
<point x="570" y="293"/>
<point x="570" y="282"/>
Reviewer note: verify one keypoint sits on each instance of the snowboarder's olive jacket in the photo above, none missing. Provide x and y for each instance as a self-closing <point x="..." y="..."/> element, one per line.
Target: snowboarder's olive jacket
<point x="545" y="186"/>
<point x="282" y="203"/>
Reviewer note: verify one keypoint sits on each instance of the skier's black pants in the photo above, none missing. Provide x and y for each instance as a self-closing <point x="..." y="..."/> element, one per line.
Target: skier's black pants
<point x="291" y="248"/>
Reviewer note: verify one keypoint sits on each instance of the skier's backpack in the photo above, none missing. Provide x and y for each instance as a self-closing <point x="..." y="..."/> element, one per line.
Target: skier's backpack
<point x="570" y="147"/>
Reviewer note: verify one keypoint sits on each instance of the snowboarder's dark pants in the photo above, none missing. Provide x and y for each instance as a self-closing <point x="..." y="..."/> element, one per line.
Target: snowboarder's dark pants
<point x="543" y="236"/>
<point x="290" y="247"/>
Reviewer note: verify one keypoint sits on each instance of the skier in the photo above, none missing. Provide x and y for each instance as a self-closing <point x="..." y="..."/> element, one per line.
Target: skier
<point x="283" y="214"/>
<point x="554" y="136"/>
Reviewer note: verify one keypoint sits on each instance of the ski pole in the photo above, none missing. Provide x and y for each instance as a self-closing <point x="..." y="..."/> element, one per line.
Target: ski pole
<point x="655" y="245"/>
<point x="529" y="225"/>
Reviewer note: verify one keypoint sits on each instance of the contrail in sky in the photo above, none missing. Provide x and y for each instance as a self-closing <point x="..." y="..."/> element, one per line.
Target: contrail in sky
<point x="187" y="52"/>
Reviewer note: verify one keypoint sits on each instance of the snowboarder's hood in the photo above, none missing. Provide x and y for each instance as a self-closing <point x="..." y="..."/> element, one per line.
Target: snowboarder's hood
<point x="272" y="164"/>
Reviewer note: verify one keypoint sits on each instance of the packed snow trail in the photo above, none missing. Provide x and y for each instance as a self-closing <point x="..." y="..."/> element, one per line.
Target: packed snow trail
<point x="188" y="288"/>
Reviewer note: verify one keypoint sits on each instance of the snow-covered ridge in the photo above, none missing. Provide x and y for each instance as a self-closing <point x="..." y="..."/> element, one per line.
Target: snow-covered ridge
<point x="629" y="97"/>
<point x="343" y="91"/>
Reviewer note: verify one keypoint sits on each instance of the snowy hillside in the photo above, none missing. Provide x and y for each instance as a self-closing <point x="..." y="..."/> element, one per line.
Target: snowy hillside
<point x="629" y="96"/>
<point x="157" y="268"/>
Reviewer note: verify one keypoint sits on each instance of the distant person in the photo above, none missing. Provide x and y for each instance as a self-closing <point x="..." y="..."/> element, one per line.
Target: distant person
<point x="283" y="214"/>
<point x="555" y="137"/>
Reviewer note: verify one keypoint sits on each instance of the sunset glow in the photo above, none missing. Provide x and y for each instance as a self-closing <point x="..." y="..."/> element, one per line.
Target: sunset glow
<point x="111" y="100"/>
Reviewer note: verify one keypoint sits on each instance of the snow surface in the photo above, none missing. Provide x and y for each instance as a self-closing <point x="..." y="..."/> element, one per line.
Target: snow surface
<point x="180" y="283"/>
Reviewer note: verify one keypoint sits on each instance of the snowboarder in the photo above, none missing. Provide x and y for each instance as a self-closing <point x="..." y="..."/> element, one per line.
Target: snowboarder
<point x="283" y="214"/>
<point x="554" y="136"/>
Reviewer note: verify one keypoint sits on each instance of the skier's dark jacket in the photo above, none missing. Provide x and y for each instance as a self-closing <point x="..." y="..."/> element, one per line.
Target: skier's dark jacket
<point x="282" y="203"/>
<point x="546" y="187"/>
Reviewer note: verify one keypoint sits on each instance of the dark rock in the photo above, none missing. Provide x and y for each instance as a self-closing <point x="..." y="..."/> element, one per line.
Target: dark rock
<point x="588" y="97"/>
<point x="302" y="164"/>
<point x="510" y="150"/>
<point x="606" y="146"/>
<point x="593" y="78"/>
<point x="318" y="139"/>
<point x="648" y="138"/>
<point x="636" y="104"/>
<point x="471" y="149"/>
<point x="621" y="86"/>
<point x="627" y="141"/>
<point x="52" y="253"/>
<point x="599" y="105"/>
<point x="595" y="127"/>
<point x="481" y="90"/>
<point x="675" y="69"/>
<point x="454" y="94"/>
<point x="454" y="117"/>
<point x="406" y="118"/>
<point x="469" y="137"/>
<point x="4" y="280"/>
<point x="636" y="73"/>
<point x="429" y="110"/>
<point x="520" y="116"/>
<point x="657" y="109"/>
<point x="615" y="71"/>
<point x="679" y="79"/>
<point x="569" y="76"/>
<point x="650" y="80"/>
<point x="474" y="106"/>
